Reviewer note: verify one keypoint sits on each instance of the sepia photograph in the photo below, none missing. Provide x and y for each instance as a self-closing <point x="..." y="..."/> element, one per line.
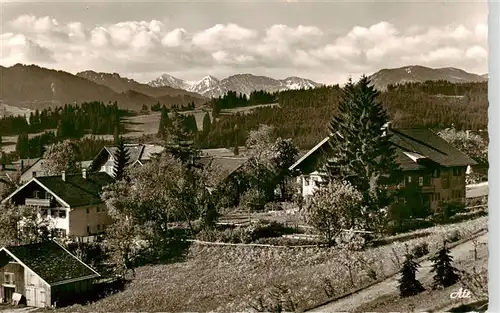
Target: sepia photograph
<point x="244" y="156"/>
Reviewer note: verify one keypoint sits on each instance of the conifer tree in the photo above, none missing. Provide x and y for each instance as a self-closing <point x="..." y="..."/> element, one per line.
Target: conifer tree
<point x="164" y="122"/>
<point x="360" y="148"/>
<point x="121" y="160"/>
<point x="408" y="283"/>
<point x="445" y="274"/>
<point x="206" y="124"/>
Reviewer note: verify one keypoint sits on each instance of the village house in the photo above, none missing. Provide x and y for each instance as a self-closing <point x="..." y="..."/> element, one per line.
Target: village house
<point x="138" y="155"/>
<point x="44" y="274"/>
<point x="36" y="170"/>
<point x="72" y="203"/>
<point x="434" y="167"/>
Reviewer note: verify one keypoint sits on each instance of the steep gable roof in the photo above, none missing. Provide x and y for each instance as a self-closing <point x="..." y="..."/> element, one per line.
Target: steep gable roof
<point x="76" y="190"/>
<point x="412" y="145"/>
<point x="51" y="262"/>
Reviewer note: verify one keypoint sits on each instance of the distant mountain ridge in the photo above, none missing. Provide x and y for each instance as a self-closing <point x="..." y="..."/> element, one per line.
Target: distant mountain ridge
<point x="35" y="87"/>
<point x="211" y="86"/>
<point x="417" y="73"/>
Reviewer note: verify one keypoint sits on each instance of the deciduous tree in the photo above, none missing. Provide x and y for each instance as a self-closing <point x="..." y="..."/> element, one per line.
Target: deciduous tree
<point x="61" y="156"/>
<point x="334" y="208"/>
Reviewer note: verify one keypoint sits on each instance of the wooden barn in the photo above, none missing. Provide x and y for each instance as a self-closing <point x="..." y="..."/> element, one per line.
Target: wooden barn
<point x="44" y="274"/>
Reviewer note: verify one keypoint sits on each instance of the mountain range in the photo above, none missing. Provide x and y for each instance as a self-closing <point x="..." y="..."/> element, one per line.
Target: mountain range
<point x="210" y="86"/>
<point x="417" y="73"/>
<point x="35" y="87"/>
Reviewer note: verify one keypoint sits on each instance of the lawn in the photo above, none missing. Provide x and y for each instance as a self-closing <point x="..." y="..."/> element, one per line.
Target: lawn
<point x="230" y="278"/>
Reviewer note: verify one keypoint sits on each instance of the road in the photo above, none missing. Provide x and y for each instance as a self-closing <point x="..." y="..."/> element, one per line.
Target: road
<point x="477" y="190"/>
<point x="390" y="285"/>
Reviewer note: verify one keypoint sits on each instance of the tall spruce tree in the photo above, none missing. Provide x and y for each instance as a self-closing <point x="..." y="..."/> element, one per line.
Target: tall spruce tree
<point x="445" y="274"/>
<point x="121" y="160"/>
<point x="179" y="140"/>
<point x="408" y="283"/>
<point x="164" y="122"/>
<point x="361" y="151"/>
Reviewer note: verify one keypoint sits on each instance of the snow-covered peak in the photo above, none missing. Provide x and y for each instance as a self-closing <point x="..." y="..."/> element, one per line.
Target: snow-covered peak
<point x="294" y="82"/>
<point x="169" y="81"/>
<point x="203" y="85"/>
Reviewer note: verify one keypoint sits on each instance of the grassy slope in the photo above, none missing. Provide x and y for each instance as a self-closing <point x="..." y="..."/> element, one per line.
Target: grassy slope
<point x="227" y="279"/>
<point x="429" y="299"/>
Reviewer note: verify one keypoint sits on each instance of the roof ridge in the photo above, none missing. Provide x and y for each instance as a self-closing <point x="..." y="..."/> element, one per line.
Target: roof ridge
<point x="419" y="141"/>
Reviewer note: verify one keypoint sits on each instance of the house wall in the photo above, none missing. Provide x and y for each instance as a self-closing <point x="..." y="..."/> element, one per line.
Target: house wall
<point x="446" y="187"/>
<point x="454" y="189"/>
<point x="57" y="213"/>
<point x="18" y="271"/>
<point x="95" y="217"/>
<point x="35" y="168"/>
<point x="37" y="292"/>
<point x="308" y="183"/>
<point x="67" y="293"/>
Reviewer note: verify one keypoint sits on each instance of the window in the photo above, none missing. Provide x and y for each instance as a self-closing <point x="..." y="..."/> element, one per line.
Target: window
<point x="36" y="193"/>
<point x="445" y="182"/>
<point x="44" y="212"/>
<point x="54" y="213"/>
<point x="9" y="278"/>
<point x="62" y="213"/>
<point x="306" y="181"/>
<point x="420" y="181"/>
<point x="98" y="209"/>
<point x="427" y="180"/>
<point x="457" y="171"/>
<point x="456" y="194"/>
<point x="436" y="173"/>
<point x="48" y="196"/>
<point x="88" y="230"/>
<point x="88" y="210"/>
<point x="408" y="179"/>
<point x="98" y="227"/>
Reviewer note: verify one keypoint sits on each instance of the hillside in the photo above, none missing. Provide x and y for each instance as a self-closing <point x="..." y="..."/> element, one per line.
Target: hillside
<point x="34" y="87"/>
<point x="416" y="73"/>
<point x="210" y="86"/>
<point x="122" y="84"/>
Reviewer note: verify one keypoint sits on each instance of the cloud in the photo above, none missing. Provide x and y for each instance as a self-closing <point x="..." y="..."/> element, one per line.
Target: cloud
<point x="303" y="50"/>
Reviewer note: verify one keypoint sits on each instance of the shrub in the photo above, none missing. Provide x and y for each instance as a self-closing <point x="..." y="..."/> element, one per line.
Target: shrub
<point x="253" y="199"/>
<point x="420" y="250"/>
<point x="454" y="236"/>
<point x="447" y="209"/>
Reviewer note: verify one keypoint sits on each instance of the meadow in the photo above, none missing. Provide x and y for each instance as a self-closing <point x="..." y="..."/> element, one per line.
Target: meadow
<point x="231" y="278"/>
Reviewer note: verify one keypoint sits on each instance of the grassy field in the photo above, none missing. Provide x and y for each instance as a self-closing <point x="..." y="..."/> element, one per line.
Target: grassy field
<point x="230" y="278"/>
<point x="148" y="124"/>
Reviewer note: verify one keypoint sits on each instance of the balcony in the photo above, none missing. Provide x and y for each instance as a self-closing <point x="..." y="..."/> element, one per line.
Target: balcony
<point x="37" y="202"/>
<point x="427" y="189"/>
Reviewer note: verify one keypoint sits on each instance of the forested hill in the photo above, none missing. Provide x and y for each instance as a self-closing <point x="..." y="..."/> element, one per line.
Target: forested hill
<point x="304" y="114"/>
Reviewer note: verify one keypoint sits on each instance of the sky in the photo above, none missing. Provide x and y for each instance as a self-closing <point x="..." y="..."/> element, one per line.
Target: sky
<point x="323" y="41"/>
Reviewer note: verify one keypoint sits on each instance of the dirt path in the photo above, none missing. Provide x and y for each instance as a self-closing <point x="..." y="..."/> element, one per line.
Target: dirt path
<point x="388" y="286"/>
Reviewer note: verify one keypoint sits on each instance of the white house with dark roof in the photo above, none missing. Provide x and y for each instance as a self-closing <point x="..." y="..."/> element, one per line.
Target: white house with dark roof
<point x="426" y="161"/>
<point x="71" y="202"/>
<point x="44" y="274"/>
<point x="138" y="155"/>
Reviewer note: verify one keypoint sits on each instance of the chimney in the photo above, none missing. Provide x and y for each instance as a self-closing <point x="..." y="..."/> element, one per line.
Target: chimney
<point x="84" y="173"/>
<point x="63" y="175"/>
